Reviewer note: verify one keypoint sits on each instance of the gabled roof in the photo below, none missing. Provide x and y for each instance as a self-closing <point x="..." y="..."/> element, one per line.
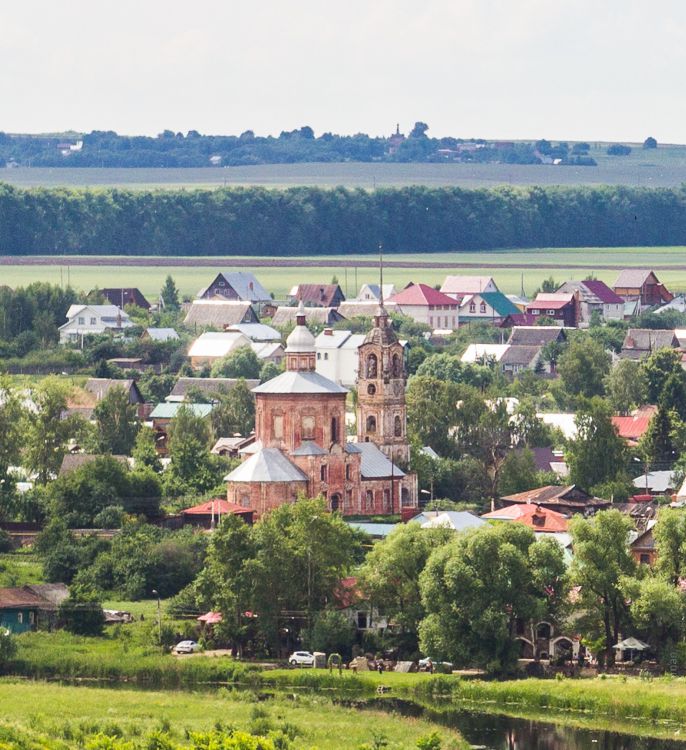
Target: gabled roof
<point x="632" y="278"/>
<point x="634" y="426"/>
<point x="354" y="309"/>
<point x="162" y="334"/>
<point x="73" y="461"/>
<point x="126" y="296"/>
<point x="422" y="294"/>
<point x="466" y="284"/>
<point x="218" y="506"/>
<point x="321" y="295"/>
<point x="209" y="386"/>
<point x="519" y="355"/>
<point x="657" y="481"/>
<point x="644" y="541"/>
<point x="570" y="495"/>
<point x="475" y="352"/>
<point x="100" y="387"/>
<point x="219" y="313"/>
<point x="285" y="315"/>
<point x="217" y="343"/>
<point x="308" y="448"/>
<point x="375" y="464"/>
<point x="457" y="520"/>
<point x="551" y="301"/>
<point x="536" y="335"/>
<point x="170" y="410"/>
<point x="650" y="339"/>
<point x="603" y="292"/>
<point x="500" y="303"/>
<point x="106" y="312"/>
<point x="267" y="465"/>
<point x="20" y="598"/>
<point x="536" y="518"/>
<point x="246" y="286"/>
<point x="256" y="331"/>
<point x="293" y="381"/>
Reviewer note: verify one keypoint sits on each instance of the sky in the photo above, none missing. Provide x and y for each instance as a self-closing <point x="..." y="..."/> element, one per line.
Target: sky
<point x="505" y="69"/>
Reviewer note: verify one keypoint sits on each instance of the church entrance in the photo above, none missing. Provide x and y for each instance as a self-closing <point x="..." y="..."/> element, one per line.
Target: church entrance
<point x="335" y="502"/>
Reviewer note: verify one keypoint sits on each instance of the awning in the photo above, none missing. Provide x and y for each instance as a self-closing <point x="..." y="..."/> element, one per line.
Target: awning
<point x="631" y="644"/>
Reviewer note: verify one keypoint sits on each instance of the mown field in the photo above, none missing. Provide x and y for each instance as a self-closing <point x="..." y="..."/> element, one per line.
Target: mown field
<point x="509" y="267"/>
<point x="40" y="711"/>
<point x="663" y="167"/>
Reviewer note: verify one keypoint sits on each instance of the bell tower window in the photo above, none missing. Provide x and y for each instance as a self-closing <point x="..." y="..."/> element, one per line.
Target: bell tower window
<point x="398" y="426"/>
<point x="372" y="366"/>
<point x="371" y="389"/>
<point x="334" y="429"/>
<point x="396" y="366"/>
<point x="371" y="423"/>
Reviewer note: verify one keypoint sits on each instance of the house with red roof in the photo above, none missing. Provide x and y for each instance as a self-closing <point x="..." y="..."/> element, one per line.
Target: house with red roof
<point x="632" y="428"/>
<point x="562" y="308"/>
<point x="425" y="304"/>
<point x="595" y="296"/>
<point x="536" y="517"/>
<point x="208" y="514"/>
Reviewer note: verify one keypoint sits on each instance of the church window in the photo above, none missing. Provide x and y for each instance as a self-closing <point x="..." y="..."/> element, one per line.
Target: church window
<point x="322" y="472"/>
<point x="387" y="501"/>
<point x="370" y="500"/>
<point x="307" y="428"/>
<point x="397" y="426"/>
<point x="335" y="502"/>
<point x="348" y="472"/>
<point x="334" y="429"/>
<point x="405" y="497"/>
<point x="396" y="367"/>
<point x="348" y="499"/>
<point x="371" y="423"/>
<point x="372" y="364"/>
<point x="326" y="355"/>
<point x="371" y="389"/>
<point x="278" y="426"/>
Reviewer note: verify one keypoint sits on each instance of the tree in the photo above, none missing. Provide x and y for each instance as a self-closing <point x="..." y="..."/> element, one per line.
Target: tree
<point x="235" y="412"/>
<point x="144" y="451"/>
<point x="476" y="588"/>
<point x="442" y="366"/>
<point x="390" y="576"/>
<point x="419" y="130"/>
<point x="597" y="454"/>
<point x="82" y="613"/>
<point x="47" y="432"/>
<point x="583" y="367"/>
<point x="657" y="444"/>
<point x="190" y="464"/>
<point x="626" y="386"/>
<point x="601" y="560"/>
<point x="658" y="367"/>
<point x="116" y="423"/>
<point x="8" y="647"/>
<point x="518" y="473"/>
<point x="431" y="412"/>
<point x="240" y="363"/>
<point x="670" y="542"/>
<point x="495" y="441"/>
<point x="269" y="370"/>
<point x="657" y="610"/>
<point x="650" y="142"/>
<point x="11" y="429"/>
<point x="332" y="633"/>
<point x="170" y="294"/>
<point x="673" y="394"/>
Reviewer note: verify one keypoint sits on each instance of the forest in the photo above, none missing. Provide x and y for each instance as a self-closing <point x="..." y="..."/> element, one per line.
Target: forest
<point x="314" y="221"/>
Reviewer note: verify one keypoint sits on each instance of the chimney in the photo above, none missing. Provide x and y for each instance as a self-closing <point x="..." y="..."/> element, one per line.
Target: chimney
<point x="328" y="331"/>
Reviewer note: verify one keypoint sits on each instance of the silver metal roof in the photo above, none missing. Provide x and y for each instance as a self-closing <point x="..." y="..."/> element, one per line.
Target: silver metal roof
<point x="162" y="334"/>
<point x="246" y="286"/>
<point x="309" y="448"/>
<point x="299" y="382"/>
<point x="375" y="464"/>
<point x="267" y="465"/>
<point x="217" y="344"/>
<point x="257" y="331"/>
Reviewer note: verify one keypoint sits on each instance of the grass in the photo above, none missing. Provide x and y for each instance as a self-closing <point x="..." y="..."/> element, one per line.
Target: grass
<point x="19" y="569"/>
<point x="48" y="710"/>
<point x="507" y="267"/>
<point x="662" y="167"/>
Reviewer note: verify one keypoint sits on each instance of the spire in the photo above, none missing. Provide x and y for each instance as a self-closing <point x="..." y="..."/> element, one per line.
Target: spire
<point x="381" y="311"/>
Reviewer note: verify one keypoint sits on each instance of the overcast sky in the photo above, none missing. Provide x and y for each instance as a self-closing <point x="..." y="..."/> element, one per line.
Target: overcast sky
<point x="561" y="69"/>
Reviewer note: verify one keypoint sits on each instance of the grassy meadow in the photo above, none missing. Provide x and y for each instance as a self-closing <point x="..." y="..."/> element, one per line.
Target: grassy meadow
<point x="40" y="710"/>
<point x="662" y="167"/>
<point x="507" y="266"/>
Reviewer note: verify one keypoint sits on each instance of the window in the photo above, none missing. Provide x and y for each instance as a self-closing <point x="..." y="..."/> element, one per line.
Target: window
<point x="431" y="321"/>
<point x="93" y="321"/>
<point x="361" y="620"/>
<point x="20" y="617"/>
<point x="535" y="312"/>
<point x="32" y="618"/>
<point x="482" y="307"/>
<point x="372" y="364"/>
<point x="334" y="429"/>
<point x="319" y="355"/>
<point x="371" y="423"/>
<point x="472" y="307"/>
<point x="550" y="312"/>
<point x="82" y="321"/>
<point x="387" y="500"/>
<point x="335" y="503"/>
<point x="397" y="426"/>
<point x="645" y="559"/>
<point x="405" y="497"/>
<point x="371" y="389"/>
<point x="370" y="500"/>
<point x="326" y="355"/>
<point x="348" y="499"/>
<point x="323" y="472"/>
<point x="348" y="472"/>
<point x="396" y="366"/>
<point x="308" y="428"/>
<point x="278" y="426"/>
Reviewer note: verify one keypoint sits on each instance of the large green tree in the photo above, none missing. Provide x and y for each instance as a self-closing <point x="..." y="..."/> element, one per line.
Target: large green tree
<point x="116" y="423"/>
<point x="583" y="367"/>
<point x="235" y="412"/>
<point x="626" y="386"/>
<point x="11" y="430"/>
<point x="240" y="363"/>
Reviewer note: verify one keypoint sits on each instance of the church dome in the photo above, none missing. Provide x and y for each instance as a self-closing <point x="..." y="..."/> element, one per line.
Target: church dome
<point x="301" y="338"/>
<point x="382" y="333"/>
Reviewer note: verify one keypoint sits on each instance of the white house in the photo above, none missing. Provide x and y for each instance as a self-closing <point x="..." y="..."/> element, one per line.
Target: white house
<point x="337" y="357"/>
<point x="459" y="287"/>
<point x="85" y="320"/>
<point x="425" y="304"/>
<point x="211" y="346"/>
<point x="372" y="292"/>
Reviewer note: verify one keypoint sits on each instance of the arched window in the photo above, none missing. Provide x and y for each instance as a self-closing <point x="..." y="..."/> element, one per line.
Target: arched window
<point x="372" y="364"/>
<point x="397" y="426"/>
<point x="405" y="497"/>
<point x="397" y="366"/>
<point x="387" y="501"/>
<point x="335" y="502"/>
<point x="371" y="423"/>
<point x="334" y="429"/>
<point x="370" y="500"/>
<point x="371" y="389"/>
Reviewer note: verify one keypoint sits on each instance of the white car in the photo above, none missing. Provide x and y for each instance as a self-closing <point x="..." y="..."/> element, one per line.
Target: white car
<point x="186" y="647"/>
<point x="301" y="659"/>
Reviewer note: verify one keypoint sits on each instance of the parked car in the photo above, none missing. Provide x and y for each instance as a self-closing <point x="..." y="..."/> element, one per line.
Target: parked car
<point x="427" y="664"/>
<point x="186" y="647"/>
<point x="301" y="659"/>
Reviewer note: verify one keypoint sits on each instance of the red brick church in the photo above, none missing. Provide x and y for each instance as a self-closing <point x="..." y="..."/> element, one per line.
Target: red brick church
<point x="301" y="446"/>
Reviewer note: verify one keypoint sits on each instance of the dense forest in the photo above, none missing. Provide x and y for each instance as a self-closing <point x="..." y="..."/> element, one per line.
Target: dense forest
<point x="305" y="220"/>
<point x="168" y="149"/>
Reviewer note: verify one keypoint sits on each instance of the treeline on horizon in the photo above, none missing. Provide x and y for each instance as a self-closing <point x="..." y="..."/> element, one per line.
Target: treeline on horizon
<point x="313" y="221"/>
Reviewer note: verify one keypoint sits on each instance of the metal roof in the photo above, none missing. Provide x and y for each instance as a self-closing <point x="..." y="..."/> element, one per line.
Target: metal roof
<point x="217" y="344"/>
<point x="477" y="351"/>
<point x="170" y="410"/>
<point x="246" y="286"/>
<point x="458" y="520"/>
<point x="375" y="464"/>
<point x="632" y="278"/>
<point x="162" y="334"/>
<point x="300" y="382"/>
<point x="373" y="529"/>
<point x="468" y="284"/>
<point x="309" y="448"/>
<point x="268" y="465"/>
<point x="209" y="386"/>
<point x="257" y="331"/>
<point x="219" y="313"/>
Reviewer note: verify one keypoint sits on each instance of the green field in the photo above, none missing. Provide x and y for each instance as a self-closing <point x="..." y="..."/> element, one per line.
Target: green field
<point x="663" y="167"/>
<point x="507" y="267"/>
<point x="39" y="710"/>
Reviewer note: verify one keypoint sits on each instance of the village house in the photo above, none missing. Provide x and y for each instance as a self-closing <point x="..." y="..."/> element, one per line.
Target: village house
<point x="486" y="307"/>
<point x="516" y="359"/>
<point x="210" y="388"/>
<point x="372" y="293"/>
<point x="240" y="286"/>
<point x="566" y="500"/>
<point x="424" y="304"/>
<point x="657" y="483"/>
<point x="643" y="548"/>
<point x="642" y="285"/>
<point x="213" y="345"/>
<point x="285" y="316"/>
<point x="634" y="426"/>
<point x="220" y="314"/>
<point x="595" y="297"/>
<point x="337" y="355"/>
<point x="163" y="415"/>
<point x="364" y="308"/>
<point x="536" y="335"/>
<point x="91" y="320"/>
<point x="301" y="447"/>
<point x="640" y="343"/>
<point x="540" y="520"/>
<point x="459" y="287"/>
<point x="483" y="353"/>
<point x="125" y="296"/>
<point x="233" y="446"/>
<point x="160" y="334"/>
<point x="562" y="308"/>
<point x="31" y="606"/>
<point x="317" y="295"/>
<point x="82" y="401"/>
<point x="73" y="461"/>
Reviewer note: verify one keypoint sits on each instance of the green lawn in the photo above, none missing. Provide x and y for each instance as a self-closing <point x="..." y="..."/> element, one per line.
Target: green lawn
<point x="18" y="569"/>
<point x="571" y="263"/>
<point x="39" y="709"/>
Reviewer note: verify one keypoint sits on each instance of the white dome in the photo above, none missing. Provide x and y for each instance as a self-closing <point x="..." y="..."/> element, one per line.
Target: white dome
<point x="301" y="338"/>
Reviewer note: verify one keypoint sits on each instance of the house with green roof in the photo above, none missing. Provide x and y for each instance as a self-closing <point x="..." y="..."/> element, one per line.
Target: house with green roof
<point x="486" y="307"/>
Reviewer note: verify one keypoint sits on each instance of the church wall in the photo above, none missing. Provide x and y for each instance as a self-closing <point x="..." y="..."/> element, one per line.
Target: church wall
<point x="264" y="496"/>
